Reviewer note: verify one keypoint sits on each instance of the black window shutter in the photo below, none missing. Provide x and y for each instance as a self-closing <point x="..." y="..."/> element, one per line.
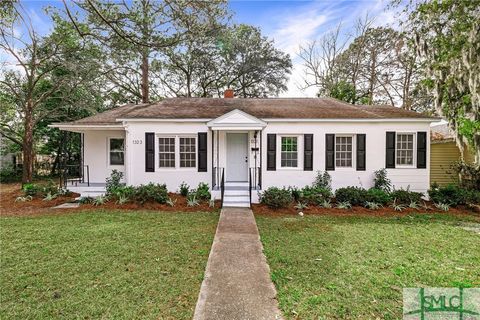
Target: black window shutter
<point x="390" y="150"/>
<point x="308" y="152"/>
<point x="202" y="152"/>
<point x="271" y="152"/>
<point x="421" y="150"/>
<point x="149" y="152"/>
<point x="361" y="152"/>
<point x="329" y="152"/>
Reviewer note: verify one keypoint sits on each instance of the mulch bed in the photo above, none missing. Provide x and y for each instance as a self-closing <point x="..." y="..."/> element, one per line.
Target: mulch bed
<point x="8" y="206"/>
<point x="262" y="209"/>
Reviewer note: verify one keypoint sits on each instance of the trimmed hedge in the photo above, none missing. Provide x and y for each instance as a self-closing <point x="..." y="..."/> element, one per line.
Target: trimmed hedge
<point x="453" y="195"/>
<point x="356" y="196"/>
<point x="405" y="196"/>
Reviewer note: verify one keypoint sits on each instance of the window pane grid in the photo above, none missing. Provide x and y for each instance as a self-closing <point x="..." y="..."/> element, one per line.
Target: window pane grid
<point x="405" y="149"/>
<point x="187" y="152"/>
<point x="166" y="152"/>
<point x="289" y="153"/>
<point x="343" y="152"/>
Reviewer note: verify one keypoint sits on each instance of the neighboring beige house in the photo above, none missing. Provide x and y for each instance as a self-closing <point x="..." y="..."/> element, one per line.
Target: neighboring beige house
<point x="444" y="153"/>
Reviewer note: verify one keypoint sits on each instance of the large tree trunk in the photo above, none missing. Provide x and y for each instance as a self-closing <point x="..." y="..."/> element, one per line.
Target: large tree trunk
<point x="145" y="69"/>
<point x="27" y="150"/>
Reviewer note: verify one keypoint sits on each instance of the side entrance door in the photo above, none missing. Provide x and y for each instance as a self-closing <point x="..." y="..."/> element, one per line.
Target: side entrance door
<point x="237" y="157"/>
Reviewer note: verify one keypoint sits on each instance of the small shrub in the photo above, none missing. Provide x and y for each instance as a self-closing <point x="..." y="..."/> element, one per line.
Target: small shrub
<point x="413" y="205"/>
<point x="315" y="195"/>
<point x="469" y="174"/>
<point x="301" y="206"/>
<point x="192" y="200"/>
<point x="171" y="202"/>
<point x="113" y="182"/>
<point x="23" y="199"/>
<point x="354" y="195"/>
<point x="381" y="180"/>
<point x="85" y="200"/>
<point x="151" y="192"/>
<point x="397" y="206"/>
<point x="184" y="189"/>
<point x="97" y="201"/>
<point x="451" y="194"/>
<point x="379" y="196"/>
<point x="211" y="203"/>
<point x="30" y="189"/>
<point x="122" y="199"/>
<point x="276" y="198"/>
<point x="49" y="197"/>
<point x="124" y="192"/>
<point x="203" y="191"/>
<point x="344" y="205"/>
<point x="442" y="206"/>
<point x="323" y="180"/>
<point x="51" y="187"/>
<point x="296" y="193"/>
<point x="472" y="196"/>
<point x="405" y="196"/>
<point x="372" y="205"/>
<point x="9" y="174"/>
<point x="326" y="204"/>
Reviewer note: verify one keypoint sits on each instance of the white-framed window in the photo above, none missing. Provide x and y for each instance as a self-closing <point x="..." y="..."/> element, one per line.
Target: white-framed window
<point x="166" y="152"/>
<point x="188" y="152"/>
<point x="289" y="152"/>
<point x="116" y="151"/>
<point x="344" y="151"/>
<point x="177" y="151"/>
<point x="405" y="146"/>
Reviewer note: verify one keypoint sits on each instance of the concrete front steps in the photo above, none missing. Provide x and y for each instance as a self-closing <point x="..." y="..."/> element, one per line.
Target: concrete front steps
<point x="236" y="195"/>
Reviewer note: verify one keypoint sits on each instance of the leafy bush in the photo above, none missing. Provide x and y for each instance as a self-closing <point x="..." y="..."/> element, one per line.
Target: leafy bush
<point x="381" y="180"/>
<point x="354" y="195"/>
<point x="184" y="189"/>
<point x="344" y="205"/>
<point x="97" y="201"/>
<point x="453" y="195"/>
<point x="50" y="188"/>
<point x="323" y="180"/>
<point x="301" y="206"/>
<point x="372" y="205"/>
<point x="469" y="174"/>
<point x="151" y="192"/>
<point x="30" y="189"/>
<point x="378" y="196"/>
<point x="296" y="193"/>
<point x="276" y="198"/>
<point x="442" y="206"/>
<point x="9" y="174"/>
<point x="203" y="191"/>
<point x="397" y="206"/>
<point x="113" y="182"/>
<point x="124" y="192"/>
<point x="315" y="195"/>
<point x="405" y="196"/>
<point x="192" y="200"/>
<point x="472" y="196"/>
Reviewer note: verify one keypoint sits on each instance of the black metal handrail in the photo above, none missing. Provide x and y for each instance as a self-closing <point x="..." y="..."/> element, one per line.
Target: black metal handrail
<point x="75" y="174"/>
<point x="222" y="186"/>
<point x="256" y="178"/>
<point x="250" y="187"/>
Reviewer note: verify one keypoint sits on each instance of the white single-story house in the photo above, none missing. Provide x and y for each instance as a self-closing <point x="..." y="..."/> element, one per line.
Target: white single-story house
<point x="254" y="142"/>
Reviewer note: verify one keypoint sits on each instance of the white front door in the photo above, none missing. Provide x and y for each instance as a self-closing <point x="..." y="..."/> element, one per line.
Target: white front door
<point x="237" y="157"/>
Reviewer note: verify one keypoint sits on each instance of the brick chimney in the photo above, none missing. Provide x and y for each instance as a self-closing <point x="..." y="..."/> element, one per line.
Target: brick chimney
<point x="228" y="94"/>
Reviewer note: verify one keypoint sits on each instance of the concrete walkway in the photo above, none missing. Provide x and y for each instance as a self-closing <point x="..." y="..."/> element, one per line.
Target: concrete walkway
<point x="237" y="281"/>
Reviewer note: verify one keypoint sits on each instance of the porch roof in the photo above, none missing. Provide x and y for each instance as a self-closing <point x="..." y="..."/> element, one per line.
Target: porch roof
<point x="236" y="120"/>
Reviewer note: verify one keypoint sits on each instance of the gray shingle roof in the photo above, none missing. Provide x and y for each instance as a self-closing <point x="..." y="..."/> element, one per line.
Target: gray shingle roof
<point x="268" y="108"/>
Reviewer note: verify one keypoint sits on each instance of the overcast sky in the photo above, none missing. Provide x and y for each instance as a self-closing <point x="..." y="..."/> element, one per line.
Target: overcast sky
<point x="289" y="23"/>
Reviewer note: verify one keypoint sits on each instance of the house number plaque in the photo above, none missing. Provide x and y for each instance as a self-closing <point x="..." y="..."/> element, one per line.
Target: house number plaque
<point x="137" y="141"/>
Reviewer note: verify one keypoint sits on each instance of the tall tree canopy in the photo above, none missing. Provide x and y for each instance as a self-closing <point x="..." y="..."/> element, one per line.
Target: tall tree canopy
<point x="447" y="39"/>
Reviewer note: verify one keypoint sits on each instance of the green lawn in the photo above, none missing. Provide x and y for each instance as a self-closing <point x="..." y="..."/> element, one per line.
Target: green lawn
<point x="356" y="267"/>
<point x="102" y="264"/>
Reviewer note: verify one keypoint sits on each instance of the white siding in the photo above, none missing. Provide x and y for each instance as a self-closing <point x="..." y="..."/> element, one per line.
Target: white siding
<point x="96" y="153"/>
<point x="136" y="174"/>
<point x="417" y="179"/>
